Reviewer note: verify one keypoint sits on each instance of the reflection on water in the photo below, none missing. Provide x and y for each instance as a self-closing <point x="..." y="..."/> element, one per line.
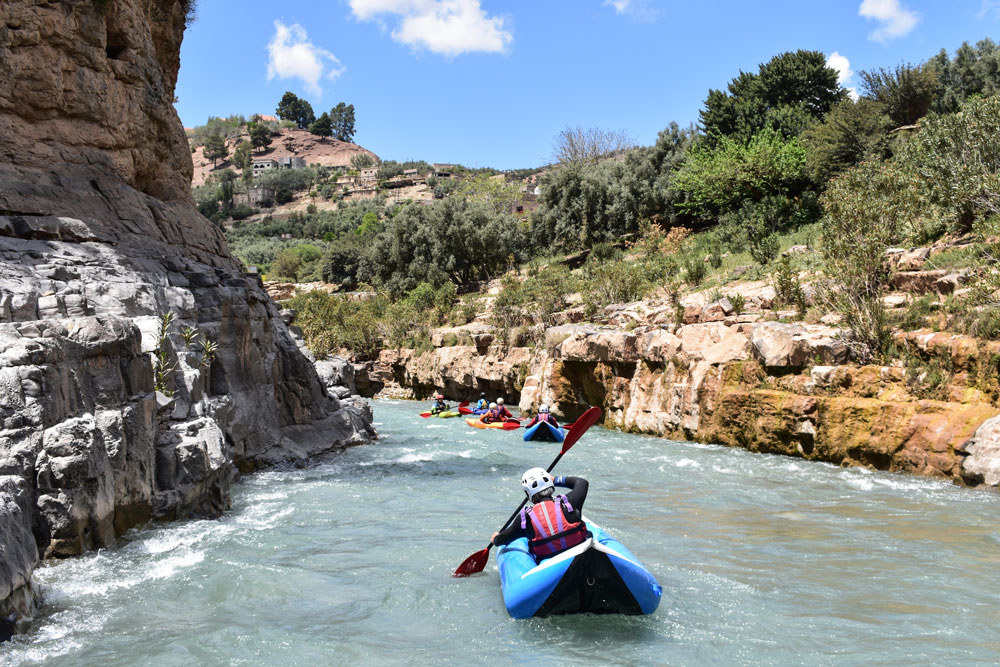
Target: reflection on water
<point x="763" y="560"/>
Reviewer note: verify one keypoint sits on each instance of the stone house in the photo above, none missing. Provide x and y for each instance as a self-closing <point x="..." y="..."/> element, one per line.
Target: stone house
<point x="257" y="195"/>
<point x="291" y="162"/>
<point x="262" y="164"/>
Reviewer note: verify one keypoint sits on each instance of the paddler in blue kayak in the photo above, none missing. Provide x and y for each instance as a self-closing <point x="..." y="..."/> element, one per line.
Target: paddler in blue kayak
<point x="439" y="404"/>
<point x="554" y="522"/>
<point x="482" y="403"/>
<point x="542" y="416"/>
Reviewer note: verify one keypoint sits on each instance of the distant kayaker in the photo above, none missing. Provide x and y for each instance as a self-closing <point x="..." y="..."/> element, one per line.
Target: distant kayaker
<point x="439" y="404"/>
<point x="504" y="412"/>
<point x="553" y="523"/>
<point x="491" y="415"/>
<point x="542" y="416"/>
<point x="482" y="403"/>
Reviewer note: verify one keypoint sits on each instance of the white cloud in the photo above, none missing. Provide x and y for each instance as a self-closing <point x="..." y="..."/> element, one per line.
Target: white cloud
<point x="635" y="9"/>
<point x="448" y="27"/>
<point x="293" y="56"/>
<point x="989" y="7"/>
<point x="844" y="72"/>
<point x="896" y="20"/>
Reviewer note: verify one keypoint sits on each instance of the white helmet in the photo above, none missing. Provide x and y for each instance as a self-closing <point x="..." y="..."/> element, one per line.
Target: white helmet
<point x="535" y="481"/>
<point x="492" y="405"/>
<point x="499" y="401"/>
<point x="544" y="407"/>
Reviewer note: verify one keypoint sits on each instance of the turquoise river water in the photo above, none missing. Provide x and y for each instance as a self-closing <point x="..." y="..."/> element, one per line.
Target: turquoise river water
<point x="763" y="560"/>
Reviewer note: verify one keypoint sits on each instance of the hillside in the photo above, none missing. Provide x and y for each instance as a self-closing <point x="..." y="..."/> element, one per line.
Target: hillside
<point x="285" y="143"/>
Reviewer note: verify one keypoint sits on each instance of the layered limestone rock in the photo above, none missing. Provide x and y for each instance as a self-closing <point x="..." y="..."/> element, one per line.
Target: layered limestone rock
<point x="765" y="386"/>
<point x="99" y="239"/>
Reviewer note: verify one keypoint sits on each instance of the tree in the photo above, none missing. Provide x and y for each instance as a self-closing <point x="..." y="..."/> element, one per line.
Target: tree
<point x="342" y="118"/>
<point x="851" y="132"/>
<point x="295" y="109"/>
<point x="789" y="91"/>
<point x="906" y="93"/>
<point x="362" y="161"/>
<point x="243" y="158"/>
<point x="215" y="148"/>
<point x="588" y="145"/>
<point x="260" y="136"/>
<point x="322" y="127"/>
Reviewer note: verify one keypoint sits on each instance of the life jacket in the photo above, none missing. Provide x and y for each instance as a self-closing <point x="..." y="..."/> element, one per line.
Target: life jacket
<point x="439" y="406"/>
<point x="554" y="533"/>
<point x="547" y="418"/>
<point x="502" y="411"/>
<point x="483" y="403"/>
<point x="491" y="416"/>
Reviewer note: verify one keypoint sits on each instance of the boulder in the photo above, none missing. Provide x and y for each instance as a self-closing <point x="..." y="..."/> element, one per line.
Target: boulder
<point x="982" y="461"/>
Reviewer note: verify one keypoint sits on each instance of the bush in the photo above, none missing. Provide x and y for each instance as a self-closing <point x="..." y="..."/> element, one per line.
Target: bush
<point x="331" y="322"/>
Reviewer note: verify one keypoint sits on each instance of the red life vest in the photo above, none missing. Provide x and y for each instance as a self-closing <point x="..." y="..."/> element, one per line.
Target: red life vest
<point x="491" y="416"/>
<point x="547" y="418"/>
<point x="553" y="532"/>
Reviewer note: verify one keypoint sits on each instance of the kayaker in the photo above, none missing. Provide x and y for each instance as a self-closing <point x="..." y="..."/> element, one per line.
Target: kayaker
<point x="439" y="404"/>
<point x="542" y="416"/>
<point x="553" y="523"/>
<point x="482" y="403"/>
<point x="504" y="412"/>
<point x="491" y="415"/>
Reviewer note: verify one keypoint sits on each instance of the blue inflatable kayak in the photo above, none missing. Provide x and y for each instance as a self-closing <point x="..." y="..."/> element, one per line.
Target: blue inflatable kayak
<point x="599" y="576"/>
<point x="545" y="431"/>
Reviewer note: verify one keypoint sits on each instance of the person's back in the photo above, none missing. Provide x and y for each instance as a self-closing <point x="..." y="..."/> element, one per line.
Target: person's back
<point x="554" y="523"/>
<point x="543" y="416"/>
<point x="491" y="415"/>
<point x="482" y="403"/>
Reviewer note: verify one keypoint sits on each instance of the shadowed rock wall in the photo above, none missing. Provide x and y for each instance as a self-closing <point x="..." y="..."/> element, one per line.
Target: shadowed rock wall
<point x="99" y="237"/>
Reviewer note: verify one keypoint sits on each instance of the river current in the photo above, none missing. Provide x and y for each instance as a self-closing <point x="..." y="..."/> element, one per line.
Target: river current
<point x="763" y="560"/>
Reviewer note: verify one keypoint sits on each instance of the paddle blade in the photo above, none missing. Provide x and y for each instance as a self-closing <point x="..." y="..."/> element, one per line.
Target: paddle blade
<point x="511" y="426"/>
<point x="580" y="426"/>
<point x="425" y="414"/>
<point x="462" y="410"/>
<point x="463" y="404"/>
<point x="474" y="563"/>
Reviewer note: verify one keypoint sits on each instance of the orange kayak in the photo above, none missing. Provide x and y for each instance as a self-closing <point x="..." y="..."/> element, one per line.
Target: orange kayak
<point x="507" y="426"/>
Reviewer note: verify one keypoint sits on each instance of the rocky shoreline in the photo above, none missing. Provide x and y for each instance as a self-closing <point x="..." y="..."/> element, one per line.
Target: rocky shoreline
<point x="767" y="386"/>
<point x="99" y="241"/>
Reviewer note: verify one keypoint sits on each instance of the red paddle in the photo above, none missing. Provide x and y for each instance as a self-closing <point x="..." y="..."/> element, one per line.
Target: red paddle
<point x="477" y="561"/>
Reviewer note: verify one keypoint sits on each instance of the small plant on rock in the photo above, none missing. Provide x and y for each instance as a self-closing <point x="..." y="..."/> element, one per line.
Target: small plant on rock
<point x="162" y="366"/>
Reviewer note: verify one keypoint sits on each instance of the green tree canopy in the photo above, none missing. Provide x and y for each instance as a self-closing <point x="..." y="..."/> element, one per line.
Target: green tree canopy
<point x="297" y="110"/>
<point x="322" y="126"/>
<point x="787" y="92"/>
<point x="342" y="120"/>
<point x="906" y="92"/>
<point x="260" y="136"/>
<point x="215" y="148"/>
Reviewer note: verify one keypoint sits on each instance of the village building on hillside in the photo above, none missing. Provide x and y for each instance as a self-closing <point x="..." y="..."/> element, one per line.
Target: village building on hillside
<point x="257" y="195"/>
<point x="262" y="164"/>
<point x="443" y="170"/>
<point x="291" y="162"/>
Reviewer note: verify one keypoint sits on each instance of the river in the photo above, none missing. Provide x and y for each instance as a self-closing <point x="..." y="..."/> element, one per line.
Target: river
<point x="763" y="560"/>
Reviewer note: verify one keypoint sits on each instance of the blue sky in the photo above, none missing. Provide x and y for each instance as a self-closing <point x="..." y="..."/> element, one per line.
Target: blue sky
<point x="491" y="83"/>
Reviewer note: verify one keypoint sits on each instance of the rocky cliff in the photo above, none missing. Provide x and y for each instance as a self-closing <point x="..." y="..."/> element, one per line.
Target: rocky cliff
<point x="784" y="388"/>
<point x="99" y="240"/>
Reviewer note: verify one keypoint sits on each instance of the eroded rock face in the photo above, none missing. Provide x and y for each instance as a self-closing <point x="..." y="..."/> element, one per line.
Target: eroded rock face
<point x="768" y="387"/>
<point x="99" y="238"/>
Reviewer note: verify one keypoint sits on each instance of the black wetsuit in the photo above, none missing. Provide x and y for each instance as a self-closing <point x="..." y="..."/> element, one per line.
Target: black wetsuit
<point x="577" y="494"/>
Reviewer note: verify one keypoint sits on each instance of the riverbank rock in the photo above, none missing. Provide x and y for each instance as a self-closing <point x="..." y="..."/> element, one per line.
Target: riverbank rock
<point x="982" y="463"/>
<point x="99" y="239"/>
